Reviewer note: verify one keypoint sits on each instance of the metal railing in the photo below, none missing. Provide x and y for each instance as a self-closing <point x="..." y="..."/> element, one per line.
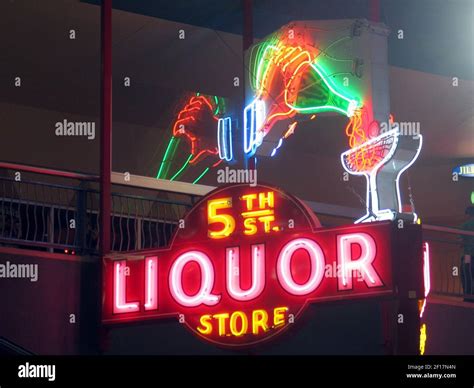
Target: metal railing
<point x="64" y="217"/>
<point x="451" y="274"/>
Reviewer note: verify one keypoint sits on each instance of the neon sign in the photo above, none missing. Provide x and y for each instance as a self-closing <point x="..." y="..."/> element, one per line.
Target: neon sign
<point x="193" y="135"/>
<point x="466" y="170"/>
<point x="236" y="282"/>
<point x="426" y="276"/>
<point x="293" y="75"/>
<point x="287" y="79"/>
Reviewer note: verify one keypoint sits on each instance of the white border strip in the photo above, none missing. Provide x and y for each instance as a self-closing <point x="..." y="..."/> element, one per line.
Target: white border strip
<point x="160" y="184"/>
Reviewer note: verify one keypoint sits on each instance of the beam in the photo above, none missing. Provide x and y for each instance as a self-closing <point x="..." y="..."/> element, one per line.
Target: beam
<point x="105" y="160"/>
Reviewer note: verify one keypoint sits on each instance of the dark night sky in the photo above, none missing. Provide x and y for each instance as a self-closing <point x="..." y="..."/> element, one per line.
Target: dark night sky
<point x="438" y="34"/>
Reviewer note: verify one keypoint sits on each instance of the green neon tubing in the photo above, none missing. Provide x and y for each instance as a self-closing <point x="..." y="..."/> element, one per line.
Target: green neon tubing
<point x="182" y="168"/>
<point x="200" y="176"/>
<point x="352" y="103"/>
<point x="171" y="148"/>
<point x="217" y="105"/>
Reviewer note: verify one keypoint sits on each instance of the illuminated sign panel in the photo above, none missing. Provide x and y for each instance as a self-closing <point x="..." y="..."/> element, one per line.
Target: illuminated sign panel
<point x="244" y="266"/>
<point x="466" y="170"/>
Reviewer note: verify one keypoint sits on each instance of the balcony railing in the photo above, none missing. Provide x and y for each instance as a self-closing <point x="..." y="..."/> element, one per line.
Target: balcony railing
<point x="64" y="217"/>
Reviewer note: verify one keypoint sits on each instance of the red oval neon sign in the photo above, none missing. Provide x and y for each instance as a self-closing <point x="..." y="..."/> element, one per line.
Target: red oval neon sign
<point x="244" y="266"/>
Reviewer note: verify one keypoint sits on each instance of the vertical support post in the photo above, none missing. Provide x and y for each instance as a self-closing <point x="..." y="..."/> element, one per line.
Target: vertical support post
<point x="81" y="218"/>
<point x="106" y="126"/>
<point x="247" y="41"/>
<point x="374" y="11"/>
<point x="51" y="229"/>
<point x="105" y="150"/>
<point x="138" y="233"/>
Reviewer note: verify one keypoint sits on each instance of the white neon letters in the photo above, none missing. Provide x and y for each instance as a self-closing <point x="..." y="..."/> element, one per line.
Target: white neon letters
<point x="316" y="256"/>
<point x="355" y="254"/>
<point x="204" y="295"/>
<point x="363" y="264"/>
<point x="151" y="283"/>
<point x="233" y="273"/>
<point x="120" y="290"/>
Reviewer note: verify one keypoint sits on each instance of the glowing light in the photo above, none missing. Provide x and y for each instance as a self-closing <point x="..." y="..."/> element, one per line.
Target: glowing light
<point x="151" y="286"/>
<point x="316" y="256"/>
<point x="224" y="139"/>
<point x="348" y="162"/>
<point x="351" y="159"/>
<point x="178" y="173"/>
<point x="423" y="337"/>
<point x="254" y="117"/>
<point x="226" y="219"/>
<point x="426" y="275"/>
<point x="290" y="131"/>
<point x="243" y="290"/>
<point x="288" y="74"/>
<point x="267" y="223"/>
<point x="357" y="136"/>
<point x="204" y="295"/>
<point x="363" y="264"/>
<point x="216" y="100"/>
<point x="259" y="321"/>
<point x="250" y="226"/>
<point x="243" y="323"/>
<point x="367" y="159"/>
<point x="258" y="273"/>
<point x="187" y="125"/>
<point x="426" y="268"/>
<point x="264" y="214"/>
<point x="397" y="180"/>
<point x="268" y="199"/>
<point x="280" y="142"/>
<point x="249" y="198"/>
<point x="200" y="176"/>
<point x="350" y="105"/>
<point x="165" y="164"/>
<point x="279" y="316"/>
<point x="187" y="115"/>
<point x="291" y="128"/>
<point x="466" y="170"/>
<point x="120" y="290"/>
<point x="238" y="323"/>
<point x="221" y="318"/>
<point x="206" y="326"/>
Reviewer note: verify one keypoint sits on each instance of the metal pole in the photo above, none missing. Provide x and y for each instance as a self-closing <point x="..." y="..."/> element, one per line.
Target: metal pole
<point x="105" y="148"/>
<point x="247" y="41"/>
<point x="248" y="24"/>
<point x="374" y="10"/>
<point x="106" y="127"/>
